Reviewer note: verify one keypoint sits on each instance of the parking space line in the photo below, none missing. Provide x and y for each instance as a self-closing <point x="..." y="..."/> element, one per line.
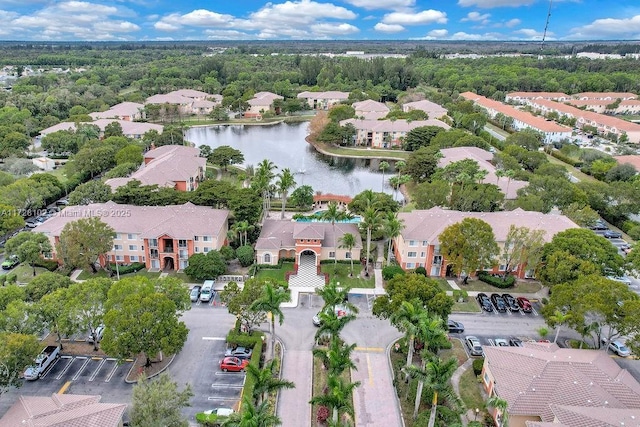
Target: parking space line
<point x="238" y="386"/>
<point x="66" y="368"/>
<point x="84" y="365"/>
<point x="229" y="399"/>
<point x="113" y="371"/>
<point x="95" y="372"/>
<point x="214" y="338"/>
<point x="55" y="362"/>
<point x="228" y="373"/>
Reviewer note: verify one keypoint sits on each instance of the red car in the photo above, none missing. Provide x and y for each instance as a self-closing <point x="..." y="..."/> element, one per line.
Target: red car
<point x="233" y="364"/>
<point x="524" y="304"/>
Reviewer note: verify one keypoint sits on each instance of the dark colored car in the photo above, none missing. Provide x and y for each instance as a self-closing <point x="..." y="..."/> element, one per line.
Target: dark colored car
<point x="233" y="364"/>
<point x="599" y="225"/>
<point x="515" y="342"/>
<point x="499" y="303"/>
<point x="239" y="352"/>
<point x="455" y="327"/>
<point x="525" y="304"/>
<point x="511" y="302"/>
<point x="610" y="234"/>
<point x="485" y="302"/>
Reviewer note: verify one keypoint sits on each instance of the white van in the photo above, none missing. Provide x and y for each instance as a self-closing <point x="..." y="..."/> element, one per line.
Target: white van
<point x="206" y="293"/>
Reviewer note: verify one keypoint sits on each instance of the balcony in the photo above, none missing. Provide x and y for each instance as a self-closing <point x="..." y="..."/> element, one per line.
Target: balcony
<point x="168" y="250"/>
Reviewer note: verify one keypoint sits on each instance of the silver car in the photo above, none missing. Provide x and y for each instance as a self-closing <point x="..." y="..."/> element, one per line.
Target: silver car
<point x="474" y="346"/>
<point x="195" y="293"/>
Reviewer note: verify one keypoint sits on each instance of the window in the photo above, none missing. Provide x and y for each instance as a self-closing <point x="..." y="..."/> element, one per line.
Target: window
<point x="437" y="260"/>
<point x="133" y="247"/>
<point x="143" y="259"/>
<point x="332" y="254"/>
<point x="182" y="243"/>
<point x="267" y="258"/>
<point x="117" y="247"/>
<point x="133" y="258"/>
<point x="425" y="243"/>
<point x="119" y="258"/>
<point x="502" y="267"/>
<point x="436" y="250"/>
<point x="423" y="254"/>
<point x="153" y="253"/>
<point x="183" y="254"/>
<point x="412" y="254"/>
<point x="413" y="243"/>
<point x="347" y="255"/>
<point x="183" y="264"/>
<point x="410" y="265"/>
<point x="153" y="243"/>
<point x="197" y="249"/>
<point x="196" y="238"/>
<point x="206" y="249"/>
<point x="206" y="238"/>
<point x="420" y="264"/>
<point x="131" y="236"/>
<point x="155" y="263"/>
<point x="118" y="237"/>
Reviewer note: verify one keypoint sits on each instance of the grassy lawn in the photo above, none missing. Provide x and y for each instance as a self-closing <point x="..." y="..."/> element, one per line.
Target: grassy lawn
<point x="456" y="350"/>
<point x="471" y="393"/>
<point x="340" y="273"/>
<point x="574" y="171"/>
<point x="469" y="306"/>
<point x="443" y="284"/>
<point x="24" y="273"/>
<point x="86" y="275"/>
<point x="521" y="287"/>
<point x="275" y="273"/>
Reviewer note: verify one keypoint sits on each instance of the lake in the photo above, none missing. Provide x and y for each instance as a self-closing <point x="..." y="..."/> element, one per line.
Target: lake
<point x="284" y="144"/>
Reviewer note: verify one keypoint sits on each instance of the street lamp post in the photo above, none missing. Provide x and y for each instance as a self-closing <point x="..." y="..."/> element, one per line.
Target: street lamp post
<point x="115" y="257"/>
<point x="477" y="411"/>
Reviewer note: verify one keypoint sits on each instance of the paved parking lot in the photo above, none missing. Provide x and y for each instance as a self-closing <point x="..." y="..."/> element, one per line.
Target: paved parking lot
<point x="535" y="305"/>
<point x="86" y="369"/>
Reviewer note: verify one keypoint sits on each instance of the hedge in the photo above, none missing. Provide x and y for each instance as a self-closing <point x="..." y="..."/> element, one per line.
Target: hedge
<point x="340" y="261"/>
<point x="48" y="264"/>
<point x="390" y="271"/>
<point x="127" y="269"/>
<point x="255" y="359"/>
<point x="497" y="281"/>
<point x="573" y="162"/>
<point x="477" y="366"/>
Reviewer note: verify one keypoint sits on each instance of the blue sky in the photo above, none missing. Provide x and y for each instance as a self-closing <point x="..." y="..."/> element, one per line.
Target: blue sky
<point x="318" y="19"/>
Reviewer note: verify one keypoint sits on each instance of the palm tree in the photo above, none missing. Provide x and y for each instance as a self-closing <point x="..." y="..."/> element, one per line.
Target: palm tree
<point x="406" y="319"/>
<point x="339" y="398"/>
<point x="500" y="405"/>
<point x="270" y="303"/>
<point x="333" y="214"/>
<point x="437" y="374"/>
<point x="348" y="241"/>
<point x="332" y="296"/>
<point x="392" y="228"/>
<point x="400" y="165"/>
<point x="383" y="167"/>
<point x="371" y="221"/>
<point x="337" y="358"/>
<point x="242" y="228"/>
<point x="253" y="416"/>
<point x="262" y="182"/>
<point x="285" y="183"/>
<point x="331" y="324"/>
<point x="265" y="380"/>
<point x="558" y="319"/>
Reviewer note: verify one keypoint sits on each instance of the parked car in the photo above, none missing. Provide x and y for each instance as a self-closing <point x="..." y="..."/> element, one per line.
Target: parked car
<point x="32" y="223"/>
<point x="340" y="310"/>
<point x="233" y="364"/>
<point x="99" y="334"/>
<point x="610" y="234"/>
<point x="618" y="348"/>
<point x="599" y="225"/>
<point x="10" y="262"/>
<point x="220" y="412"/>
<point x="515" y="342"/>
<point x="475" y="348"/>
<point x="499" y="303"/>
<point x="195" y="293"/>
<point x="525" y="304"/>
<point x="62" y="202"/>
<point x="511" y="302"/>
<point x="621" y="279"/>
<point x="455" y="327"/>
<point x="46" y="357"/>
<point x="485" y="302"/>
<point x="501" y="342"/>
<point x="239" y="352"/>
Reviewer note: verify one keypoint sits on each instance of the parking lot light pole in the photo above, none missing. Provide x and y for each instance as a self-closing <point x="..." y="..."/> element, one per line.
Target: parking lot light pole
<point x="115" y="257"/>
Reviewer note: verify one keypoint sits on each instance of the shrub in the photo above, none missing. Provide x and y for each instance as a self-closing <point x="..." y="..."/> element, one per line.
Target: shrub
<point x="460" y="295"/>
<point x="498" y="282"/>
<point x="227" y="253"/>
<point x="627" y="225"/>
<point x="245" y="255"/>
<point x="634" y="232"/>
<point x="390" y="271"/>
<point x="48" y="264"/>
<point x="255" y="360"/>
<point x="477" y="366"/>
<point x="322" y="414"/>
<point x="235" y="338"/>
<point x="422" y="271"/>
<point x="127" y="269"/>
<point x="11" y="278"/>
<point x="558" y="155"/>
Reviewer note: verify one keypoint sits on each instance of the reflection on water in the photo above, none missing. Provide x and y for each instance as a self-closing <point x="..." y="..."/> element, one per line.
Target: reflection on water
<point x="285" y="145"/>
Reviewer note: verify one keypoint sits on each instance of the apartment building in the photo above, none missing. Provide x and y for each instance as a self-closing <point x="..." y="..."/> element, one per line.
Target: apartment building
<point x="386" y="133"/>
<point x="161" y="237"/>
<point x="261" y="103"/>
<point x="323" y="100"/>
<point x="370" y="109"/>
<point x="188" y="101"/>
<point x="135" y="130"/>
<point x="129" y="111"/>
<point x="419" y="246"/>
<point x="433" y="110"/>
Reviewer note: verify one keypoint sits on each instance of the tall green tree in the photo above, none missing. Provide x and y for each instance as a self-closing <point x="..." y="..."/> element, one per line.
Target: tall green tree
<point x="523" y="246"/>
<point x="371" y="222"/>
<point x="225" y="156"/>
<point x="17" y="351"/>
<point x="392" y="226"/>
<point x="384" y="165"/>
<point x="339" y="397"/>
<point x="206" y="266"/>
<point x="10" y="219"/>
<point x="86" y="304"/>
<point x="29" y="247"/>
<point x="468" y="246"/>
<point x="437" y="374"/>
<point x="348" y="242"/>
<point x="239" y="301"/>
<point x="501" y="406"/>
<point x="337" y="357"/>
<point x="285" y="183"/>
<point x="253" y="416"/>
<point x="159" y="402"/>
<point x="332" y="214"/>
<point x="94" y="191"/>
<point x="407" y="319"/>
<point x="266" y="380"/>
<point x="269" y="302"/>
<point x="84" y="241"/>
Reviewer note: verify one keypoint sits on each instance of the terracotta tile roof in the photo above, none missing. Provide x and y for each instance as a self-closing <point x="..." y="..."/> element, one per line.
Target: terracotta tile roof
<point x="277" y="234"/>
<point x="431" y="108"/>
<point x="428" y="224"/>
<point x="370" y="105"/>
<point x="393" y="125"/>
<point x="536" y="122"/>
<point x="332" y="94"/>
<point x="119" y="110"/>
<point x="128" y="128"/>
<point x="598" y="120"/>
<point x="632" y="159"/>
<point x="508" y="186"/>
<point x="605" y="95"/>
<point x="191" y="93"/>
<point x="169" y="99"/>
<point x="536" y="376"/>
<point x="583" y="416"/>
<point x="535" y="95"/>
<point x="175" y="164"/>
<point x="63" y="410"/>
<point x="263" y="98"/>
<point x="179" y="221"/>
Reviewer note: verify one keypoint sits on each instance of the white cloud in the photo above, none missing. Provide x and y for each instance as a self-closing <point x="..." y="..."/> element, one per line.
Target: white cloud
<point x="421" y="18"/>
<point x="330" y="29"/>
<point x="476" y="17"/>
<point x="388" y="28"/>
<point x="205" y="18"/>
<point x="532" y="34"/>
<point x="438" y="33"/>
<point x="609" y="28"/>
<point x="226" y="35"/>
<point x="512" y="23"/>
<point x="382" y="4"/>
<point x="488" y="4"/>
<point x="303" y="11"/>
<point x="461" y="35"/>
<point x="112" y="26"/>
